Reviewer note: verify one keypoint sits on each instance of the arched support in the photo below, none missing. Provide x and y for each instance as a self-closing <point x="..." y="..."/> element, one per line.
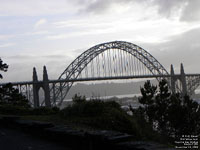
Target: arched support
<point x="76" y="67"/>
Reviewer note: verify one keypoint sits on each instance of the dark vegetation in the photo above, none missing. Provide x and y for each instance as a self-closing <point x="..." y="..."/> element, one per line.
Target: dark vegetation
<point x="14" y="103"/>
<point x="3" y="67"/>
<point x="171" y="115"/>
<point x="163" y="117"/>
<point x="11" y="96"/>
<point x="99" y="114"/>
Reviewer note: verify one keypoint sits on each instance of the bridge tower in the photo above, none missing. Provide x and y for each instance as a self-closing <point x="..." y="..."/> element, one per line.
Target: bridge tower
<point x="44" y="85"/>
<point x="35" y="89"/>
<point x="173" y="80"/>
<point x="183" y="80"/>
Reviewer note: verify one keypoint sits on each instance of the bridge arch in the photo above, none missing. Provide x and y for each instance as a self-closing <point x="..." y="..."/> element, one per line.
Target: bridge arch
<point x="76" y="67"/>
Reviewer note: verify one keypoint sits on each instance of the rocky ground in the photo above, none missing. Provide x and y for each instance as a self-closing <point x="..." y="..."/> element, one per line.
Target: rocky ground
<point x="16" y="134"/>
<point x="11" y="139"/>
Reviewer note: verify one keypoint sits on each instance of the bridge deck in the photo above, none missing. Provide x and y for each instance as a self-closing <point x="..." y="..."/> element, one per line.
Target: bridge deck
<point x="99" y="79"/>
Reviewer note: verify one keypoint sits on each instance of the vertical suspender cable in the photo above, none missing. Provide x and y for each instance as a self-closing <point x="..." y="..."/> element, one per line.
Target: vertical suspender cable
<point x="122" y="63"/>
<point x="108" y="71"/>
<point x="140" y="73"/>
<point x="136" y="66"/>
<point x="104" y="65"/>
<point x="111" y="64"/>
<point x="130" y="66"/>
<point x="114" y="62"/>
<point x="118" y="60"/>
<point x="133" y="66"/>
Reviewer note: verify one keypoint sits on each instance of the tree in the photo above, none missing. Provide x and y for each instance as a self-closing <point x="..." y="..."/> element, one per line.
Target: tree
<point x="77" y="99"/>
<point x="11" y="96"/>
<point x="3" y="67"/>
<point x="184" y="116"/>
<point x="169" y="114"/>
<point x="148" y="93"/>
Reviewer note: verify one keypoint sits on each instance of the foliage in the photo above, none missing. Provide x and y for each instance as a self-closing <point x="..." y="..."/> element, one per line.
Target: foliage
<point x="8" y="109"/>
<point x="145" y="128"/>
<point x="170" y="114"/>
<point x="44" y="111"/>
<point x="11" y="96"/>
<point x="89" y="108"/>
<point x="3" y="67"/>
<point x="78" y="99"/>
<point x="100" y="114"/>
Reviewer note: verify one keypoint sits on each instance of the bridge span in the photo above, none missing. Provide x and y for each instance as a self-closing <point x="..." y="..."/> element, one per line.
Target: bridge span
<point x="108" y="61"/>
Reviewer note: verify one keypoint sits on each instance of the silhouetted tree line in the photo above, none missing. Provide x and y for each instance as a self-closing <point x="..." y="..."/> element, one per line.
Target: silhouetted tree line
<point x="3" y="67"/>
<point x="169" y="114"/>
<point x="10" y="95"/>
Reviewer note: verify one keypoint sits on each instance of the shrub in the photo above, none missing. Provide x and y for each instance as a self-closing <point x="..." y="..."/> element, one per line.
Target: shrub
<point x="11" y="96"/>
<point x="78" y="99"/>
<point x="8" y="109"/>
<point x="100" y="114"/>
<point x="44" y="111"/>
<point x="90" y="108"/>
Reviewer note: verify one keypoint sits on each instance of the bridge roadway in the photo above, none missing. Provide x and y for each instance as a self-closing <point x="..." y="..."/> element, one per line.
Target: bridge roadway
<point x="100" y="78"/>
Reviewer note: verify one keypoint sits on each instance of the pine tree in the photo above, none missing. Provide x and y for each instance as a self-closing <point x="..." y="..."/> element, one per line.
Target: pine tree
<point x="169" y="114"/>
<point x="3" y="67"/>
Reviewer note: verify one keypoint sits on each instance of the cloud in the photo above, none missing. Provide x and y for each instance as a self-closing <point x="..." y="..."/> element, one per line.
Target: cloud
<point x="34" y="57"/>
<point x="185" y="10"/>
<point x="87" y="22"/>
<point x="99" y="6"/>
<point x="182" y="48"/>
<point x="191" y="11"/>
<point x="162" y="26"/>
<point x="21" y="66"/>
<point x="78" y="34"/>
<point x="35" y="7"/>
<point x="42" y="32"/>
<point x="7" y="45"/>
<point x="40" y="22"/>
<point x="167" y="8"/>
<point x="104" y="6"/>
<point x="6" y="37"/>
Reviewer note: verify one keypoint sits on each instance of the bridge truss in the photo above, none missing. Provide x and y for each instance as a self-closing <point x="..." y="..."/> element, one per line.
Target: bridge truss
<point x="107" y="61"/>
<point x="112" y="59"/>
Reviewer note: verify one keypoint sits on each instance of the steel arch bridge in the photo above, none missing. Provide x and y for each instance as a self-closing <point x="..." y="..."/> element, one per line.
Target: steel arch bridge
<point x="81" y="62"/>
<point x="107" y="61"/>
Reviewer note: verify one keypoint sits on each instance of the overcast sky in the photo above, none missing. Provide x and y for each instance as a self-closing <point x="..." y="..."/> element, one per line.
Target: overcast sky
<point x="55" y="32"/>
